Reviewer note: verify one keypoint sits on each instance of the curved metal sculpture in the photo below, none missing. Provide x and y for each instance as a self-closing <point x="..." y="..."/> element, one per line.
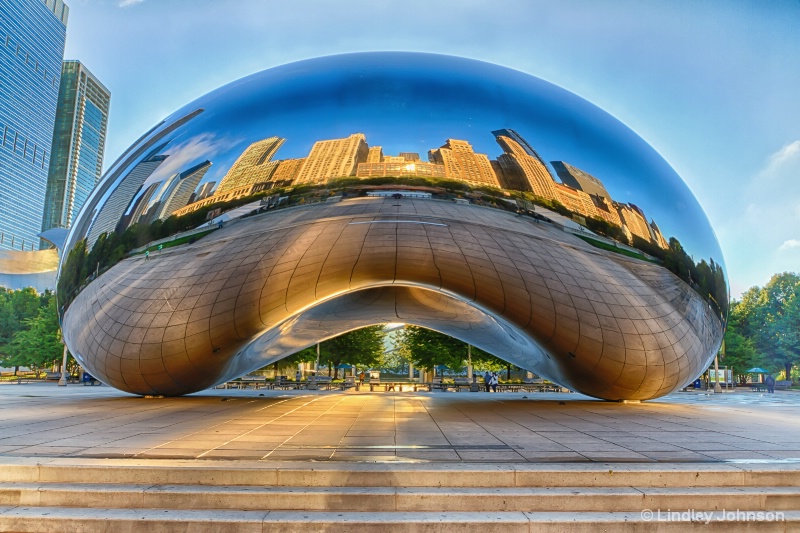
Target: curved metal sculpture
<point x="560" y="269"/>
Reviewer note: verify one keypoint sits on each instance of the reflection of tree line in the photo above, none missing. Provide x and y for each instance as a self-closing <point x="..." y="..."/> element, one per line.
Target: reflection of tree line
<point x="82" y="265"/>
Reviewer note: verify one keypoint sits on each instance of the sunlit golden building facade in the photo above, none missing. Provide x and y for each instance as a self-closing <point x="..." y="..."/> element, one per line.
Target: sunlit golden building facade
<point x="576" y="201"/>
<point x="255" y="165"/>
<point x="334" y="158"/>
<point x="462" y="163"/>
<point x="400" y="167"/>
<point x="524" y="172"/>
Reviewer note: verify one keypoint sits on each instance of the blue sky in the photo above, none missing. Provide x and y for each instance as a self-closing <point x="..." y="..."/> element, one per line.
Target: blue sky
<point x="712" y="85"/>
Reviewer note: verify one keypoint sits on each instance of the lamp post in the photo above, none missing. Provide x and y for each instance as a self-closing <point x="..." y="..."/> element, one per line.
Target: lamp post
<point x="312" y="381"/>
<point x="469" y="362"/>
<point x="62" y="381"/>
<point x="717" y="388"/>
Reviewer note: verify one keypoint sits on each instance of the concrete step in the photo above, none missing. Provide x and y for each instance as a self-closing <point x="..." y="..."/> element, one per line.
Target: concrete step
<point x="389" y="499"/>
<point x="348" y="474"/>
<point x="59" y="519"/>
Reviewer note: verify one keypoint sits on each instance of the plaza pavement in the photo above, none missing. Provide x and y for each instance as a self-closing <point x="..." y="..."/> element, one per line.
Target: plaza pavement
<point x="44" y="420"/>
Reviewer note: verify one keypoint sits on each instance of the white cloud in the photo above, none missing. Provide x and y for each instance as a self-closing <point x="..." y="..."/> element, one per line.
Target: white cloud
<point x="129" y="3"/>
<point x="790" y="243"/>
<point x="189" y="153"/>
<point x="763" y="219"/>
<point x="784" y="157"/>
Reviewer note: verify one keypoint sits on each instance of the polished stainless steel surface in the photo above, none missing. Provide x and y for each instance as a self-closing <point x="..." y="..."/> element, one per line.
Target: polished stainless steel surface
<point x="598" y="270"/>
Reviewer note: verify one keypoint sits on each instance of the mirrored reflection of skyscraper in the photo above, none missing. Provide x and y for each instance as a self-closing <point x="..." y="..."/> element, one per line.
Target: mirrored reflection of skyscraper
<point x="76" y="160"/>
<point x="578" y="179"/>
<point x="462" y="163"/>
<point x="255" y="165"/>
<point x="178" y="194"/>
<point x="204" y="191"/>
<point x="32" y="36"/>
<point x="521" y="167"/>
<point x="118" y="201"/>
<point x="334" y="158"/>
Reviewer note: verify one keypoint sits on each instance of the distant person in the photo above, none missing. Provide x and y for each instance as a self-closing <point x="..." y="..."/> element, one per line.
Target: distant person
<point x="487" y="380"/>
<point x="361" y="377"/>
<point x="494" y="381"/>
<point x="298" y="376"/>
<point x="770" y="383"/>
<point x="147" y="255"/>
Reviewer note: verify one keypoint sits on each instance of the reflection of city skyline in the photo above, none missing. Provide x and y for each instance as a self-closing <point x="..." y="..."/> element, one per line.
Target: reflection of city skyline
<point x="519" y="168"/>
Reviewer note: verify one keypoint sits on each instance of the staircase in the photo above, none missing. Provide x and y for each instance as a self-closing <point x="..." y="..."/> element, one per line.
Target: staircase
<point x="153" y="496"/>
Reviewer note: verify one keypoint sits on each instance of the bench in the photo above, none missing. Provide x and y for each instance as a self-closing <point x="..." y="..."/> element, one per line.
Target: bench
<point x="784" y="384"/>
<point x="757" y="387"/>
<point x="462" y="383"/>
<point x="397" y="386"/>
<point x="52" y="376"/>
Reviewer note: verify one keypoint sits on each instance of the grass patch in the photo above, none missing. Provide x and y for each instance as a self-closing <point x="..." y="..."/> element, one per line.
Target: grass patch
<point x="611" y="248"/>
<point x="179" y="241"/>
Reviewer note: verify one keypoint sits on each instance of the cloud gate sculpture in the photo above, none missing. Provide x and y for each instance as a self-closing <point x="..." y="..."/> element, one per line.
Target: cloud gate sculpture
<point x="326" y="195"/>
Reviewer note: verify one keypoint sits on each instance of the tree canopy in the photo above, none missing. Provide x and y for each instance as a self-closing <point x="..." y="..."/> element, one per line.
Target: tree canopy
<point x="30" y="334"/>
<point x="769" y="317"/>
<point x="360" y="347"/>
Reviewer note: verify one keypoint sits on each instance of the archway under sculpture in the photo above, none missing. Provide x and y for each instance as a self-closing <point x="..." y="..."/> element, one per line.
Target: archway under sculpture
<point x="266" y="286"/>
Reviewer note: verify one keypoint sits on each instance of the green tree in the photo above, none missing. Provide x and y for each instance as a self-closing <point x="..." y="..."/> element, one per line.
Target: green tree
<point x="427" y="348"/>
<point x="771" y="318"/>
<point x="17" y="308"/>
<point x="740" y="351"/>
<point x="361" y="347"/>
<point x="39" y="344"/>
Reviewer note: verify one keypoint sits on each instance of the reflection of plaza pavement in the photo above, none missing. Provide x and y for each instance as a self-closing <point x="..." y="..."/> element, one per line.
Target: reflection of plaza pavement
<point x="43" y="420"/>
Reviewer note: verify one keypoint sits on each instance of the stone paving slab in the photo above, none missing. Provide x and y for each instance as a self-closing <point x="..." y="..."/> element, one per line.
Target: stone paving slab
<point x="43" y="420"/>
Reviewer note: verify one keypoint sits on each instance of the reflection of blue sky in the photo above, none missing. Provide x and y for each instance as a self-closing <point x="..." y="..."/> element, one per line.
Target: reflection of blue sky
<point x="413" y="103"/>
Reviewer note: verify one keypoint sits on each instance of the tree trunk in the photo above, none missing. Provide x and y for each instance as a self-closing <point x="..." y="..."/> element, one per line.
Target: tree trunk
<point x="788" y="367"/>
<point x="508" y="372"/>
<point x="335" y="369"/>
<point x="275" y="369"/>
<point x="329" y="369"/>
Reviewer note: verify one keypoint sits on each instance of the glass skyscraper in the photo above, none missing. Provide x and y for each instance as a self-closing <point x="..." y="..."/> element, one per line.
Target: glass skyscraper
<point x="78" y="143"/>
<point x="32" y="34"/>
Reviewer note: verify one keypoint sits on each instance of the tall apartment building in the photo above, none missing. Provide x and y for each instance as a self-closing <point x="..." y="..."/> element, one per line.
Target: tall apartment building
<point x="522" y="171"/>
<point x="204" y="191"/>
<point x="179" y="190"/>
<point x="334" y="158"/>
<point x="255" y="165"/>
<point x="79" y="137"/>
<point x="576" y="200"/>
<point x="657" y="236"/>
<point x="375" y="154"/>
<point x="288" y="169"/>
<point x="462" y="163"/>
<point x="606" y="210"/>
<point x="578" y="179"/>
<point x="110" y="216"/>
<point x="634" y="220"/>
<point x="32" y="34"/>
